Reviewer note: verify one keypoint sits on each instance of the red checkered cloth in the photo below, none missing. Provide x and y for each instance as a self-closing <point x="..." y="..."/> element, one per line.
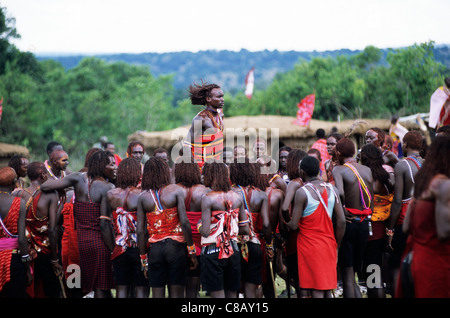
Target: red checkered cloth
<point x="95" y="257"/>
<point x="321" y="145"/>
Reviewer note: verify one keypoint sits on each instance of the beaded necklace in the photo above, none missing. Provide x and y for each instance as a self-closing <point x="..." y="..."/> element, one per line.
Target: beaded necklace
<point x="158" y="205"/>
<point x="362" y="186"/>
<point x="415" y="158"/>
<point x="213" y="119"/>
<point x="49" y="169"/>
<point x="244" y="195"/>
<point x="32" y="207"/>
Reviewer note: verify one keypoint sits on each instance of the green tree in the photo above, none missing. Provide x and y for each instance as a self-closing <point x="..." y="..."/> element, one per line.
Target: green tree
<point x="416" y="75"/>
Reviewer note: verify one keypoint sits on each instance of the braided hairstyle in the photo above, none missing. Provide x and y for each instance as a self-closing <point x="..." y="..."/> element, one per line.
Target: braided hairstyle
<point x="372" y="157"/>
<point x="292" y="162"/>
<point x="128" y="173"/>
<point x="436" y="162"/>
<point x="242" y="173"/>
<point x="215" y="176"/>
<point x="187" y="173"/>
<point x="156" y="174"/>
<point x="199" y="93"/>
<point x="97" y="163"/>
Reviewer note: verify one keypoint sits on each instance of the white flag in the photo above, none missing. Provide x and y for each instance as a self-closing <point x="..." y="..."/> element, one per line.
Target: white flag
<point x="250" y="83"/>
<point x="437" y="101"/>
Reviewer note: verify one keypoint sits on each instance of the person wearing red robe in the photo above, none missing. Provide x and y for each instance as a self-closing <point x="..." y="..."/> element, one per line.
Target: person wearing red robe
<point x="317" y="241"/>
<point x="425" y="267"/>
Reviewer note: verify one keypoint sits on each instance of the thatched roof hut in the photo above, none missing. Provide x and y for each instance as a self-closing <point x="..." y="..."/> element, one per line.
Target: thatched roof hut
<point x="246" y="128"/>
<point x="9" y="150"/>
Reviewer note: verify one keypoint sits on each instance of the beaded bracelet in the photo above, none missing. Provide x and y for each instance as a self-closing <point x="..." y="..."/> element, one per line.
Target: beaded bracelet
<point x="26" y="258"/>
<point x="242" y="223"/>
<point x="144" y="262"/>
<point x="191" y="249"/>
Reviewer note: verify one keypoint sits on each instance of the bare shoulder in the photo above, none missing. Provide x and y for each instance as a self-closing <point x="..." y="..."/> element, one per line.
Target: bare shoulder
<point x="201" y="189"/>
<point x="113" y="192"/>
<point x="440" y="186"/>
<point x="144" y="195"/>
<point x="174" y="188"/>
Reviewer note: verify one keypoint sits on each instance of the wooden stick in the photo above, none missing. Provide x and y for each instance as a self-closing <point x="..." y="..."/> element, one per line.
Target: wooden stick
<point x="273" y="280"/>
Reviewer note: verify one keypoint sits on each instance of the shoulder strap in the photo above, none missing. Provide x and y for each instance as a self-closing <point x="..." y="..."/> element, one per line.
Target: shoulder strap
<point x="311" y="186"/>
<point x="157" y="204"/>
<point x="410" y="171"/>
<point x="244" y="195"/>
<point x="362" y="186"/>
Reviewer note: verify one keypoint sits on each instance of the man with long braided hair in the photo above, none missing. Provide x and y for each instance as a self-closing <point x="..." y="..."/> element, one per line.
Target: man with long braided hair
<point x="204" y="141"/>
<point x="383" y="189"/>
<point x="123" y="203"/>
<point x="188" y="176"/>
<point x="427" y="225"/>
<point x="161" y="213"/>
<point x="92" y="217"/>
<point x="223" y="218"/>
<point x="243" y="178"/>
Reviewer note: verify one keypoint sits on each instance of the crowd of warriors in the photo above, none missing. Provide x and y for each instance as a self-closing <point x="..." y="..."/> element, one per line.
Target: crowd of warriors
<point x="231" y="227"/>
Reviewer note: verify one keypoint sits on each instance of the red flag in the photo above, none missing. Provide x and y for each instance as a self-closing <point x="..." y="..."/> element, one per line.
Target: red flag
<point x="1" y="108"/>
<point x="250" y="83"/>
<point x="305" y="110"/>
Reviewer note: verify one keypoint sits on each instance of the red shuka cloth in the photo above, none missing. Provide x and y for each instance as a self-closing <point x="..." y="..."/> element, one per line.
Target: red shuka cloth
<point x="69" y="242"/>
<point x="208" y="147"/>
<point x="430" y="265"/>
<point x="37" y="229"/>
<point x="164" y="224"/>
<point x="317" y="250"/>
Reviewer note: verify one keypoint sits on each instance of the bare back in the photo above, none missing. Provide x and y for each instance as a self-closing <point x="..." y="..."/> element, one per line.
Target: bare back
<point x="116" y="198"/>
<point x="347" y="184"/>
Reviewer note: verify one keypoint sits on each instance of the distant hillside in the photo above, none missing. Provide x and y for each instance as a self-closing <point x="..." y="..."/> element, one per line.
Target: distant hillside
<point x="227" y="68"/>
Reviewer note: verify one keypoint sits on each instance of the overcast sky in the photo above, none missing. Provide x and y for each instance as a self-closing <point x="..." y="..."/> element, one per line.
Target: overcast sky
<point x="137" y="26"/>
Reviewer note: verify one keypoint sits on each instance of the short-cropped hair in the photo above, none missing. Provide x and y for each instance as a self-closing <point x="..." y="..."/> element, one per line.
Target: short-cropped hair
<point x="310" y="165"/>
<point x="346" y="147"/>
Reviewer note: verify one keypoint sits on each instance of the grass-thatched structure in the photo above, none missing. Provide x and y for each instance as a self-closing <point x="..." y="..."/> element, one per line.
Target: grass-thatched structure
<point x="9" y="150"/>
